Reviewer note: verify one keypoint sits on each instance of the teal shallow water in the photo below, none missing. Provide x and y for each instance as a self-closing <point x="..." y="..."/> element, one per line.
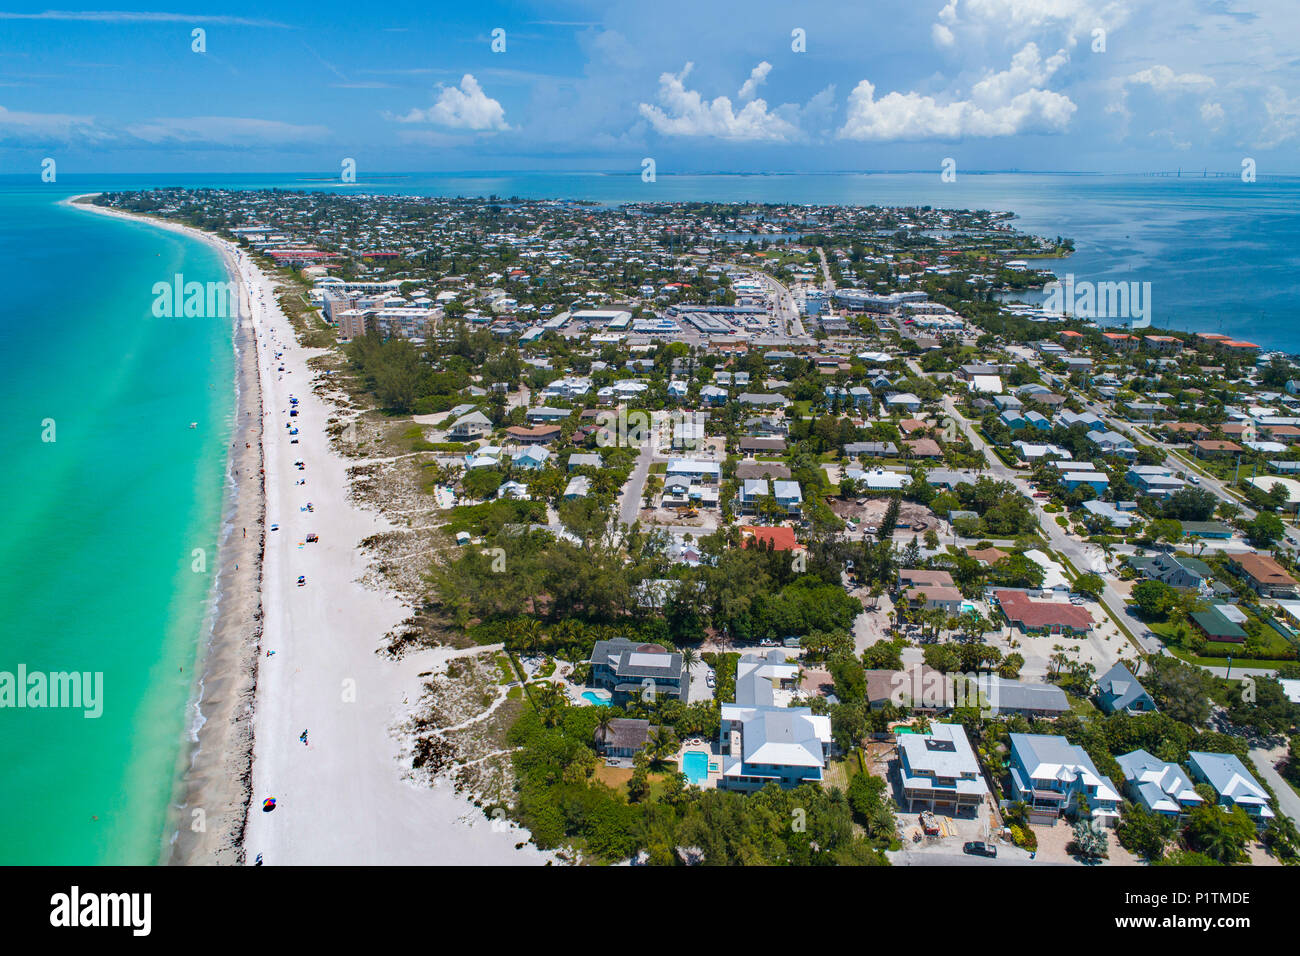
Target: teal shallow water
<point x="96" y="549"/>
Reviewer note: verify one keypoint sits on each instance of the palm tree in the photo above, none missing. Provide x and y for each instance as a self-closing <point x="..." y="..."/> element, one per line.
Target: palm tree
<point x="604" y="721"/>
<point x="551" y="701"/>
<point x="662" y="744"/>
<point x="689" y="659"/>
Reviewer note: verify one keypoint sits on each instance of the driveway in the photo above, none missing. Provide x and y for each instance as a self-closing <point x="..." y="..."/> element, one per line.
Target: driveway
<point x="1287" y="799"/>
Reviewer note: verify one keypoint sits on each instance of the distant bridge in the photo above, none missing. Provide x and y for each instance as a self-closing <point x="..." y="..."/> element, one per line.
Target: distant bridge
<point x="1192" y="174"/>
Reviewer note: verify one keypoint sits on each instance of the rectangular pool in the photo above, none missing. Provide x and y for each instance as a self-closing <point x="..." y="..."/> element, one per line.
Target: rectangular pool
<point x="695" y="764"/>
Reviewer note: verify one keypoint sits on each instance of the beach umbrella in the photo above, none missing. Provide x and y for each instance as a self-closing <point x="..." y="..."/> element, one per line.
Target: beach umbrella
<point x="268" y="804"/>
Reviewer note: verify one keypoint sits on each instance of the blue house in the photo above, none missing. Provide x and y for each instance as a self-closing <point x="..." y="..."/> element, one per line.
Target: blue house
<point x="1039" y="421"/>
<point x="1234" y="784"/>
<point x="1096" y="480"/>
<point x="531" y="458"/>
<point x="760" y="739"/>
<point x="1117" y="690"/>
<point x="1161" y="787"/>
<point x="1050" y="774"/>
<point x="1013" y="420"/>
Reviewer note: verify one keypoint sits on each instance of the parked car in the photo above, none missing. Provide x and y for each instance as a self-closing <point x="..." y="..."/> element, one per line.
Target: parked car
<point x="980" y="848"/>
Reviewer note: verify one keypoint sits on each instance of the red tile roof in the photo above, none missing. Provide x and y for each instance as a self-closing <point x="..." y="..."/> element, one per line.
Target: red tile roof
<point x="781" y="537"/>
<point x="1019" y="609"/>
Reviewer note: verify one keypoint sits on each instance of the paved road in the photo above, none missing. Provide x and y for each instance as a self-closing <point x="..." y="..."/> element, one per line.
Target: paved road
<point x="783" y="306"/>
<point x="1287" y="799"/>
<point x="1219" y="487"/>
<point x="1056" y="536"/>
<point x="630" y="506"/>
<point x="1238" y="672"/>
<point x="1007" y="856"/>
<point x="828" y="284"/>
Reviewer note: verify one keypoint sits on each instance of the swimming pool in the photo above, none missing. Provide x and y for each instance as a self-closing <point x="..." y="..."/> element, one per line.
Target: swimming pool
<point x="695" y="764"/>
<point x="595" y="699"/>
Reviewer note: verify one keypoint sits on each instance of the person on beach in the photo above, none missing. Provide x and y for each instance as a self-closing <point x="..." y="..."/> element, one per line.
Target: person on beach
<point x="303" y="738"/>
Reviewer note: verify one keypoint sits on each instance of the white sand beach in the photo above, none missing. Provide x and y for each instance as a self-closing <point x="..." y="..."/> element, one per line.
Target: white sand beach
<point x="341" y="798"/>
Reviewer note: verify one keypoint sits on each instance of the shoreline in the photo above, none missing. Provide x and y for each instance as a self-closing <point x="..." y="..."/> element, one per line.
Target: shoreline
<point x="285" y="657"/>
<point x="209" y="802"/>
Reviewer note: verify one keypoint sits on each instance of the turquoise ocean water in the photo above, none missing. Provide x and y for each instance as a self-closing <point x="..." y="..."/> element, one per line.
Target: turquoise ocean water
<point x="96" y="549"/>
<point x="101" y="523"/>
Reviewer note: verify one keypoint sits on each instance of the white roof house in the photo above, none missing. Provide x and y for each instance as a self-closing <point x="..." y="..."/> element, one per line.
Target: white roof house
<point x="940" y="768"/>
<point x="1049" y="771"/>
<point x="763" y="742"/>
<point x="878" y="479"/>
<point x="708" y="470"/>
<point x="1054" y="578"/>
<point x="1159" y="786"/>
<point x="1234" y="784"/>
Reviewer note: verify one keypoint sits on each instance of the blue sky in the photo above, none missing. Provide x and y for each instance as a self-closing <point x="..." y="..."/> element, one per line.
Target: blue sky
<point x="699" y="86"/>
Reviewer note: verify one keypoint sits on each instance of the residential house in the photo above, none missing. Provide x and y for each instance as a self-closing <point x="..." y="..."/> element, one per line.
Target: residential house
<point x="1050" y="774"/>
<point x="624" y="738"/>
<point x="531" y="458"/>
<point x="763" y="741"/>
<point x="761" y="469"/>
<point x="1098" y="481"/>
<point x="788" y="496"/>
<point x="751" y="491"/>
<point x="1091" y="421"/>
<point x="1265" y="576"/>
<point x="1175" y="570"/>
<point x="473" y="425"/>
<point x="630" y="669"/>
<point x="872" y="449"/>
<point x="1112" y="443"/>
<point x="750" y="445"/>
<point x="902" y="401"/>
<point x="579" y="486"/>
<point x="1026" y="698"/>
<point x="1104" y="511"/>
<point x="545" y="414"/>
<point x="540" y="435"/>
<point x="933" y="596"/>
<point x="1235" y="785"/>
<point x="939" y="771"/>
<point x="1154" y="480"/>
<point x="1037" y="420"/>
<point x="1117" y="690"/>
<point x="1214" y="625"/>
<point x="1043" y="617"/>
<point x="1160" y="787"/>
<point x="513" y="489"/>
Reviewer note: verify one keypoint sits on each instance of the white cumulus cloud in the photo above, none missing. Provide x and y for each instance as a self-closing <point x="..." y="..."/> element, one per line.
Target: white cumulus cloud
<point x="683" y="112"/>
<point x="1004" y="103"/>
<point x="756" y="78"/>
<point x="461" y="107"/>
